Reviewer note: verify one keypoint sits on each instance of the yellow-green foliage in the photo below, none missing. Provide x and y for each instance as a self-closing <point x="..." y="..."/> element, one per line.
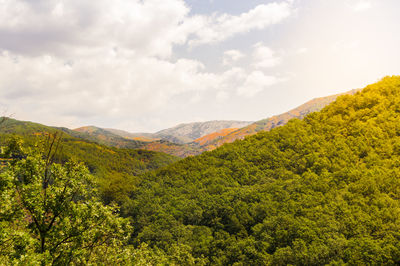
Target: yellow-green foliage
<point x="116" y="169"/>
<point x="324" y="190"/>
<point x="50" y="215"/>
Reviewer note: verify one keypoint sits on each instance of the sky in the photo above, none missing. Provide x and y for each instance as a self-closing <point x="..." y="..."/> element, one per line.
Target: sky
<point x="146" y="65"/>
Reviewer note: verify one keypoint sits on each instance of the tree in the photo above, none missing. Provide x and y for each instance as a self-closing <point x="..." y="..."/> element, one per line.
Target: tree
<point x="50" y="213"/>
<point x="4" y="117"/>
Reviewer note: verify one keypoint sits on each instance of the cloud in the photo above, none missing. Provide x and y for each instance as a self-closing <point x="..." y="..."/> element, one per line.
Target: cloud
<point x="102" y="87"/>
<point x="302" y="50"/>
<point x="149" y="27"/>
<point x="341" y="45"/>
<point x="218" y="28"/>
<point x="362" y="5"/>
<point x="47" y="89"/>
<point x="231" y="56"/>
<point x="256" y="82"/>
<point x="264" y="57"/>
<point x="79" y="60"/>
<point x="222" y="96"/>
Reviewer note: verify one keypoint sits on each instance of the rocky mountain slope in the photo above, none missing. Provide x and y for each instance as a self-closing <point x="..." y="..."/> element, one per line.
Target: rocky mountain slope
<point x="114" y="138"/>
<point x="135" y="136"/>
<point x="269" y="123"/>
<point x="194" y="138"/>
<point x="186" y="133"/>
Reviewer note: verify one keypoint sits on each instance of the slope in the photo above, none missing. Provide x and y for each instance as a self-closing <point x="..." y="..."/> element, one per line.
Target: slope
<point x="186" y="133"/>
<point x="212" y="137"/>
<point x="105" y="137"/>
<point x="323" y="190"/>
<point x="272" y="122"/>
<point x="147" y="137"/>
<point x="113" y="138"/>
<point x="116" y="168"/>
<point x="178" y="141"/>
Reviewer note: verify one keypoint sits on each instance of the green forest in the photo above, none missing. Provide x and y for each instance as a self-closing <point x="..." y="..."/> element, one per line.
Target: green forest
<point x="324" y="190"/>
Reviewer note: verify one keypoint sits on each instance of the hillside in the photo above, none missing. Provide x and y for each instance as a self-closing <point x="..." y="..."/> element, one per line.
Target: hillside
<point x="323" y="190"/>
<point x="272" y="122"/>
<point x="147" y="137"/>
<point x="108" y="138"/>
<point x="122" y="139"/>
<point x="210" y="138"/>
<point x="186" y="133"/>
<point x="180" y="134"/>
<point x="179" y="141"/>
<point x="114" y="167"/>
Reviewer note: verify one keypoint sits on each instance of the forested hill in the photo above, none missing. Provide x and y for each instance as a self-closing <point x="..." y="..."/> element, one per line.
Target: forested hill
<point x="269" y="123"/>
<point x="323" y="190"/>
<point x="116" y="168"/>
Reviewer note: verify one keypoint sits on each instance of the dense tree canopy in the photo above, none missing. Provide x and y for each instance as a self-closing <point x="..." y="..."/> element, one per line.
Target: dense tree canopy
<point x="115" y="169"/>
<point x="324" y="190"/>
<point x="50" y="213"/>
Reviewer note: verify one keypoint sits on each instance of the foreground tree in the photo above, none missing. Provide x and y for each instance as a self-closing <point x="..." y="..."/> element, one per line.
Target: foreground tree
<point x="50" y="213"/>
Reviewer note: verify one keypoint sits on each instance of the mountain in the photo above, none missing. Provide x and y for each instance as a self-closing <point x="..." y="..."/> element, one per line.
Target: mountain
<point x="146" y="137"/>
<point x="182" y="133"/>
<point x="207" y="139"/>
<point x="106" y="137"/>
<point x="114" y="138"/>
<point x="194" y="138"/>
<point x="177" y="141"/>
<point x="319" y="191"/>
<point x="216" y="140"/>
<point x="186" y="133"/>
<point x="116" y="169"/>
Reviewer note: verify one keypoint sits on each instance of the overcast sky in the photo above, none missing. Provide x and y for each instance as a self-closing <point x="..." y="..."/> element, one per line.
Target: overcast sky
<point x="145" y="65"/>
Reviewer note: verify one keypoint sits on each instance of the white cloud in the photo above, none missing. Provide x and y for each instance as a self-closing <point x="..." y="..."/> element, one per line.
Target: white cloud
<point x="219" y="28"/>
<point x="264" y="57"/>
<point x="92" y="88"/>
<point x="111" y="86"/>
<point x="302" y="50"/>
<point x="66" y="60"/>
<point x="341" y="45"/>
<point x="222" y="96"/>
<point x="256" y="82"/>
<point x="362" y="5"/>
<point x="149" y="27"/>
<point x="231" y="56"/>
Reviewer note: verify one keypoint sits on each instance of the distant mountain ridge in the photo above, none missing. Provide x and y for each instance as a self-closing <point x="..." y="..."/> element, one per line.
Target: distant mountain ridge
<point x="106" y="137"/>
<point x="181" y="134"/>
<point x="123" y="139"/>
<point x="177" y="141"/>
<point x="194" y="138"/>
<point x="135" y="136"/>
<point x="185" y="139"/>
<point x="188" y="132"/>
<point x="269" y="123"/>
<point x="97" y="153"/>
